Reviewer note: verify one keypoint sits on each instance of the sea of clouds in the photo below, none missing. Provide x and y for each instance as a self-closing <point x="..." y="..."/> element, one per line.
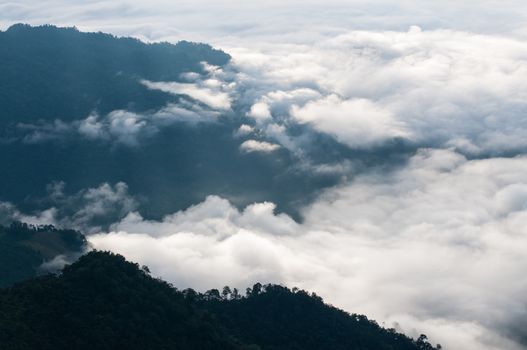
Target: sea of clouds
<point x="436" y="245"/>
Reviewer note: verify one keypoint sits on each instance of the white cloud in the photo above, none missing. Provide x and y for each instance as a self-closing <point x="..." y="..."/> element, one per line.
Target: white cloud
<point x="91" y="127"/>
<point x="257" y="22"/>
<point x="436" y="246"/>
<point x="250" y="146"/>
<point x="356" y="122"/>
<point x="125" y="126"/>
<point x="260" y="111"/>
<point x="438" y="88"/>
<point x="9" y="213"/>
<point x="88" y="210"/>
<point x="244" y="130"/>
<point x="119" y="126"/>
<point x="208" y="93"/>
<point x="44" y="131"/>
<point x="451" y="82"/>
<point x="100" y="202"/>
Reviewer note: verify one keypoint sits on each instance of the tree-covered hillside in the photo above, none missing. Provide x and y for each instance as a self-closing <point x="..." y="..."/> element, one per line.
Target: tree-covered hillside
<point x="50" y="73"/>
<point x="104" y="302"/>
<point x="277" y="318"/>
<point x="75" y="108"/>
<point x="24" y="248"/>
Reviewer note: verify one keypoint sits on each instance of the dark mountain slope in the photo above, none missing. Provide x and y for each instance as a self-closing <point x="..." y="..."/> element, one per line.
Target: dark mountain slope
<point x="23" y="249"/>
<point x="52" y="79"/>
<point x="60" y="73"/>
<point x="105" y="302"/>
<point x="276" y="318"/>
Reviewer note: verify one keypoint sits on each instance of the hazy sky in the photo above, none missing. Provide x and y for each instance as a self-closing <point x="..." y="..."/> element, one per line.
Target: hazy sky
<point x="436" y="246"/>
<point x="279" y="21"/>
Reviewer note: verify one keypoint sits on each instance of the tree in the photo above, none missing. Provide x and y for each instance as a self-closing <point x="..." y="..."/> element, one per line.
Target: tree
<point x="212" y="294"/>
<point x="235" y="294"/>
<point x="190" y="294"/>
<point x="422" y="343"/>
<point x="226" y="292"/>
<point x="257" y="288"/>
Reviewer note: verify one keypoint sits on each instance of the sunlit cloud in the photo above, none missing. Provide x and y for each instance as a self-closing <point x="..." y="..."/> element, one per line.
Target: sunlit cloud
<point x="433" y="246"/>
<point x="258" y="146"/>
<point x="415" y="248"/>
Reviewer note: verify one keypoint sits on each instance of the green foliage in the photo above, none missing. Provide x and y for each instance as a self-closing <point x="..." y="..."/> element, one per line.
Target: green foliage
<point x="104" y="302"/>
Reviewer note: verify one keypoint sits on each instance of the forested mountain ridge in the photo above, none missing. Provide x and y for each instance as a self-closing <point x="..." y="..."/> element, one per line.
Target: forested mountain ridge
<point x="24" y="248"/>
<point x="50" y="73"/>
<point x="86" y="140"/>
<point x="77" y="107"/>
<point x="277" y="318"/>
<point x="105" y="302"/>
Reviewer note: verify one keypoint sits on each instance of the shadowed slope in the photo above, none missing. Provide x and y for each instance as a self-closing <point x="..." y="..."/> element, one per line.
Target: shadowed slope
<point x="104" y="302"/>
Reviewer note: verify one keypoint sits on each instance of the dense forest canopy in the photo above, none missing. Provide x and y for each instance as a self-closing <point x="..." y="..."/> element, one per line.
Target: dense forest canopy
<point x="53" y="73"/>
<point x="106" y="302"/>
<point x="24" y="248"/>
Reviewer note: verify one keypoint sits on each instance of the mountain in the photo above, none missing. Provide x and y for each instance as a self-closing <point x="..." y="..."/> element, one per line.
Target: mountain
<point x="77" y="108"/>
<point x="104" y="302"/>
<point x="277" y="318"/>
<point x="94" y="127"/>
<point x="50" y="73"/>
<point x="24" y="248"/>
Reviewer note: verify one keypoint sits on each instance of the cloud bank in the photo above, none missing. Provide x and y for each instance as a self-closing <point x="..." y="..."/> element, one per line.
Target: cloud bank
<point x="422" y="249"/>
<point x="436" y="245"/>
<point x="88" y="210"/>
<point x="227" y="21"/>
<point x="438" y="88"/>
<point x="428" y="85"/>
